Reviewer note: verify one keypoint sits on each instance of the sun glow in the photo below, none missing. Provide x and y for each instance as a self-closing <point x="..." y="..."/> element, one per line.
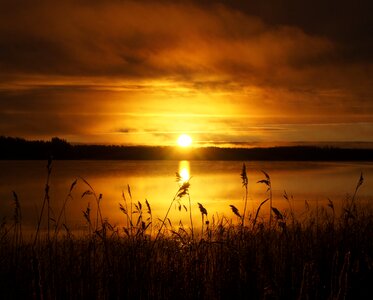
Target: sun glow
<point x="184" y="171"/>
<point x="184" y="140"/>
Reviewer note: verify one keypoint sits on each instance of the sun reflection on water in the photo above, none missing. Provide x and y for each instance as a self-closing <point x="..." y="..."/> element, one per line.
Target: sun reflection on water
<point x="184" y="171"/>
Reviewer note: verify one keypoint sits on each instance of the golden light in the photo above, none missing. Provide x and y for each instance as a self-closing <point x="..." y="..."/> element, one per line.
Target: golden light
<point x="184" y="171"/>
<point x="184" y="140"/>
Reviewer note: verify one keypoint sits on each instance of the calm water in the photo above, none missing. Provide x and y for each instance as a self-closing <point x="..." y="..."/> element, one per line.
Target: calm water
<point x="214" y="184"/>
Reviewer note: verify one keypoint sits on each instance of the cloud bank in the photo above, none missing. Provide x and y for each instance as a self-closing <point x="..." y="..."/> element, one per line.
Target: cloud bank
<point x="286" y="62"/>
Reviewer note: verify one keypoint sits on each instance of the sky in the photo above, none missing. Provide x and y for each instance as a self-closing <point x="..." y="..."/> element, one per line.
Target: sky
<point x="228" y="73"/>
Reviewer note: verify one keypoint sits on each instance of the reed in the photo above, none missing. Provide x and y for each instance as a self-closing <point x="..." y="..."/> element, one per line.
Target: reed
<point x="245" y="182"/>
<point x="181" y="192"/>
<point x="315" y="254"/>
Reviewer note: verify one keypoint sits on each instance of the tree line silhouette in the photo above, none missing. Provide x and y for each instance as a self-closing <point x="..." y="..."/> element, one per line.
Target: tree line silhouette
<point x="20" y="149"/>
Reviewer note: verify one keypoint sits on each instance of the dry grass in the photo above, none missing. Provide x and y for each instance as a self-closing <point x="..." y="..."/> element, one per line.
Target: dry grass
<point x="323" y="255"/>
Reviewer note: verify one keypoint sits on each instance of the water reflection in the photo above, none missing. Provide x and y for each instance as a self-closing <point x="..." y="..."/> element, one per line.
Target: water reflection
<point x="184" y="171"/>
<point x="215" y="184"/>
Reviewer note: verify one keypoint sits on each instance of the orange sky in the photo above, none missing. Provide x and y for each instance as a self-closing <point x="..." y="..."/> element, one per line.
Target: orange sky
<point x="142" y="72"/>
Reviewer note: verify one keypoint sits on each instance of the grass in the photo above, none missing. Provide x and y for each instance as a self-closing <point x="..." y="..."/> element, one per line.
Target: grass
<point x="324" y="254"/>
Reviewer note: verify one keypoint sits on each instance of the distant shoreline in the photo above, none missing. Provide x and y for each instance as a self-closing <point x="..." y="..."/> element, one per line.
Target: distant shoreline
<point x="21" y="149"/>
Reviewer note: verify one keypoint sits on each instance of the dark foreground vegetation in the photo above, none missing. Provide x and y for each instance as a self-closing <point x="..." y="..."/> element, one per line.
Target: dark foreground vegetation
<point x="16" y="148"/>
<point x="319" y="254"/>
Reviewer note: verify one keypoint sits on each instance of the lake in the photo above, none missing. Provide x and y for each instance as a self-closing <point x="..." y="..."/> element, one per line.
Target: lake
<point x="215" y="184"/>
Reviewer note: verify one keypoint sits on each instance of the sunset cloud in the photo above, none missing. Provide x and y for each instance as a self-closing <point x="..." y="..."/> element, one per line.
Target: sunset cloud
<point x="133" y="40"/>
<point x="62" y="63"/>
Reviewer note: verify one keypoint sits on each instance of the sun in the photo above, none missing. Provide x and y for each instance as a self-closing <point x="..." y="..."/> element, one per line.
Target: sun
<point x="184" y="140"/>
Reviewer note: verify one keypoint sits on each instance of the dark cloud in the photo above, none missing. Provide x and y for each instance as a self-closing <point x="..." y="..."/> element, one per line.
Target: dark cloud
<point x="236" y="42"/>
<point x="127" y="130"/>
<point x="42" y="125"/>
<point x="349" y="23"/>
<point x="186" y="40"/>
